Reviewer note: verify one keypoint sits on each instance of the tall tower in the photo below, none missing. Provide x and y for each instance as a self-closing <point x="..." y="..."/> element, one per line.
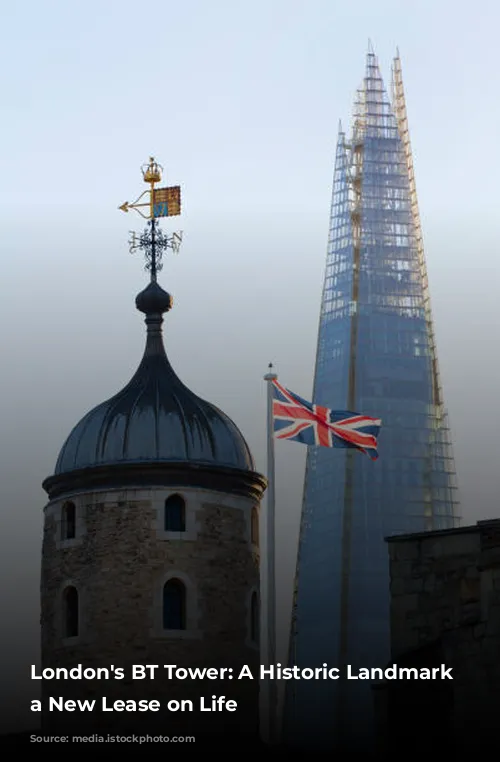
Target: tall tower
<point x="376" y="354"/>
<point x="150" y="550"/>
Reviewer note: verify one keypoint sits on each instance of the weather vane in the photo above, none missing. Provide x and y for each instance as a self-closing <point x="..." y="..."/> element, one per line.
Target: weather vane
<point x="162" y="202"/>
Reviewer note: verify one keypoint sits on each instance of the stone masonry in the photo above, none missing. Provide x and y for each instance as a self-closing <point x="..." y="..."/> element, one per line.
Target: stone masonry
<point x="119" y="562"/>
<point x="445" y="608"/>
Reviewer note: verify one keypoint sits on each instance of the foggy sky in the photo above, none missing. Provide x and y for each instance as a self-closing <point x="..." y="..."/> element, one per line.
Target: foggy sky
<point x="240" y="102"/>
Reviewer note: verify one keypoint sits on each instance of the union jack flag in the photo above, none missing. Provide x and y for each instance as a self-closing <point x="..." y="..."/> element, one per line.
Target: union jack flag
<point x="301" y="421"/>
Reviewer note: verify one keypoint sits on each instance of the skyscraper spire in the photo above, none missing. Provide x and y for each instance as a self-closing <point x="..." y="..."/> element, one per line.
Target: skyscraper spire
<point x="376" y="352"/>
<point x="399" y="102"/>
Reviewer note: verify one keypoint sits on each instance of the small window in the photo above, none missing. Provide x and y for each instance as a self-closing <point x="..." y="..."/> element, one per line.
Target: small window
<point x="70" y="612"/>
<point x="254" y="619"/>
<point x="68" y="523"/>
<point x="255" y="526"/>
<point x="175" y="514"/>
<point x="174" y="605"/>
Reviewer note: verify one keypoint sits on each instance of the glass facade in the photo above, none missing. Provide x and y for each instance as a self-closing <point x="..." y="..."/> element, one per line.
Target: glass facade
<point x="376" y="355"/>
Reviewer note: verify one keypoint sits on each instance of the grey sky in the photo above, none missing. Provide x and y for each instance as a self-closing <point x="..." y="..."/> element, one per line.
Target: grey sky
<point x="240" y="102"/>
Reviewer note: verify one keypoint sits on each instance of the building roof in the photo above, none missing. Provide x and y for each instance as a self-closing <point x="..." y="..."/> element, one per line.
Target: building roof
<point x="470" y="528"/>
<point x="155" y="418"/>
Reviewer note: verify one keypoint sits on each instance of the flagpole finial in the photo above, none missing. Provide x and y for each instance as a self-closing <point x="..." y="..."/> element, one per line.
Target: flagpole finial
<point x="270" y="376"/>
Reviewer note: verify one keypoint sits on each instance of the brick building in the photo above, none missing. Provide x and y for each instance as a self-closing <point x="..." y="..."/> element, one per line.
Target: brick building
<point x="445" y="609"/>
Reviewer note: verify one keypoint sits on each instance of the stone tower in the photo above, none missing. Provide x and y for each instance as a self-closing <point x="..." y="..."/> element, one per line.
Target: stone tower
<point x="151" y="554"/>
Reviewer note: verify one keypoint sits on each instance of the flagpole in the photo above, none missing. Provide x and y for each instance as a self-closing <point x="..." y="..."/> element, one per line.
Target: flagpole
<point x="271" y="562"/>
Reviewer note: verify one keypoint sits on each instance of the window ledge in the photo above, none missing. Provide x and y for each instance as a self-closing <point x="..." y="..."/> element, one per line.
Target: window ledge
<point x="75" y="641"/>
<point x="178" y="536"/>
<point x="178" y="634"/>
<point x="63" y="544"/>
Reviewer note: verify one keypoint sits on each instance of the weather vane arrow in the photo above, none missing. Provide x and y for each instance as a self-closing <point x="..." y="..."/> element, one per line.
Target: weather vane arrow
<point x="162" y="202"/>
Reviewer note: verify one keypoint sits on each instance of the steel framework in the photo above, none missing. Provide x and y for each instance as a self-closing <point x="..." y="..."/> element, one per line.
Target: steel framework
<point x="376" y="354"/>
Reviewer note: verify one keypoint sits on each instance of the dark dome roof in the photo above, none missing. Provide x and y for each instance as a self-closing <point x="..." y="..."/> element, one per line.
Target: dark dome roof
<point x="155" y="418"/>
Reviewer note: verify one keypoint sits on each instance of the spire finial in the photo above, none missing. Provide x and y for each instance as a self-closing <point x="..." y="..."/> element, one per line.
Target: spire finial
<point x="162" y="202"/>
<point x="152" y="172"/>
<point x="152" y="204"/>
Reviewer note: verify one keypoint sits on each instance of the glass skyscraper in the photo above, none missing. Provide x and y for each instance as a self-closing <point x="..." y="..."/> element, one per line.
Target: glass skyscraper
<point x="376" y="355"/>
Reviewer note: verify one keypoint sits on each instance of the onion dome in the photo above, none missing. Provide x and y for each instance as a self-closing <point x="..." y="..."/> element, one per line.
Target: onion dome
<point x="155" y="418"/>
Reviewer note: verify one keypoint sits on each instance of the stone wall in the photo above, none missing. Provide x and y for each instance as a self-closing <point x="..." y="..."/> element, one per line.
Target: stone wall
<point x="119" y="562"/>
<point x="445" y="596"/>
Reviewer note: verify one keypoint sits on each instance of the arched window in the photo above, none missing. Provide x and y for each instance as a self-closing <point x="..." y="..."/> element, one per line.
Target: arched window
<point x="70" y="612"/>
<point x="175" y="514"/>
<point x="174" y="605"/>
<point x="68" y="523"/>
<point x="254" y="619"/>
<point x="255" y="526"/>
